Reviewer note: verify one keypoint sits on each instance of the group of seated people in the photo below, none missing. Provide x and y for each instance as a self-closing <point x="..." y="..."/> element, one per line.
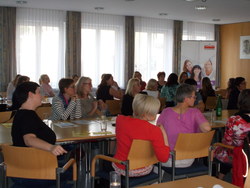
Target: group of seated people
<point x="140" y="105"/>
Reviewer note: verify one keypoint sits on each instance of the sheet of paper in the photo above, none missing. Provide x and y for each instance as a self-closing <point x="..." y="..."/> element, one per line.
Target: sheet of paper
<point x="65" y="124"/>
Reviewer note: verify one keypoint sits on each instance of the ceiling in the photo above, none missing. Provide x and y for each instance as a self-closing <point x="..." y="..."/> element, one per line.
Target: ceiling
<point x="228" y="11"/>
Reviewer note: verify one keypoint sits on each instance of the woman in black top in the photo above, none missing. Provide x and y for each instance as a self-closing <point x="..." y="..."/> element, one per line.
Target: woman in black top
<point x="133" y="88"/>
<point x="240" y="84"/>
<point x="28" y="130"/>
<point x="108" y="89"/>
<point x="206" y="89"/>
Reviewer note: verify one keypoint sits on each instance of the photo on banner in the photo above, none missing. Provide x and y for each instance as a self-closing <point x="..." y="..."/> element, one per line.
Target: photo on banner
<point x="198" y="59"/>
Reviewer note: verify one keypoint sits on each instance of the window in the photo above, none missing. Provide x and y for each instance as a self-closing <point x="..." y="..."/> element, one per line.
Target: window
<point x="103" y="47"/>
<point x="40" y="39"/>
<point x="153" y="46"/>
<point x="197" y="31"/>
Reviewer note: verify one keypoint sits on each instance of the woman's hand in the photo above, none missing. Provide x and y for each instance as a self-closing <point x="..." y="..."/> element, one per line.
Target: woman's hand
<point x="57" y="150"/>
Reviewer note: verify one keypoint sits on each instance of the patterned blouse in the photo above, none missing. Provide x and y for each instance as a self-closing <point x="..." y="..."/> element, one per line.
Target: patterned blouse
<point x="236" y="131"/>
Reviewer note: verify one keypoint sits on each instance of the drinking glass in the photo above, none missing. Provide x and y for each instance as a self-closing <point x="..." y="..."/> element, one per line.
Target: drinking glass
<point x="103" y="124"/>
<point x="115" y="180"/>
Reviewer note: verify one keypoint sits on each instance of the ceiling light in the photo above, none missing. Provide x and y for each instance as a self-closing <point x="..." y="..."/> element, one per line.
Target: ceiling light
<point x="163" y="14"/>
<point x="99" y="8"/>
<point x="216" y="19"/>
<point x="21" y="2"/>
<point x="200" y="7"/>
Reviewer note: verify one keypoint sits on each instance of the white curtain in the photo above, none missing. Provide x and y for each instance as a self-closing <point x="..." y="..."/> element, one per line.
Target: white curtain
<point x="197" y="31"/>
<point x="40" y="39"/>
<point x="153" y="46"/>
<point x="103" y="47"/>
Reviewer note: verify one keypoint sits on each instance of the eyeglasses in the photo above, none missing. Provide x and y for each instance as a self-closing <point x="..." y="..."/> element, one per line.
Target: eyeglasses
<point x="194" y="97"/>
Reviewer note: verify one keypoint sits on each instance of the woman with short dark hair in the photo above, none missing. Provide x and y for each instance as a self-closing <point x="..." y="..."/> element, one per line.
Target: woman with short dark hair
<point x="66" y="105"/>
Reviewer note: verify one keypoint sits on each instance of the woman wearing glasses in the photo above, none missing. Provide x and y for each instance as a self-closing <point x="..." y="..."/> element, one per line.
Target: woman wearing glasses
<point x="66" y="105"/>
<point x="90" y="106"/>
<point x="182" y="119"/>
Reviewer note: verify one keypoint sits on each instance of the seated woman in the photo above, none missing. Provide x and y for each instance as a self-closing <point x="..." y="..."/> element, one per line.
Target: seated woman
<point x="46" y="89"/>
<point x="133" y="88"/>
<point x="90" y="106"/>
<point x="145" y="108"/>
<point x="151" y="88"/>
<point x="182" y="119"/>
<point x="237" y="129"/>
<point x="206" y="89"/>
<point x="66" y="105"/>
<point x="138" y="75"/>
<point x="169" y="90"/>
<point x="11" y="87"/>
<point x="28" y="130"/>
<point x="161" y="80"/>
<point x="239" y="85"/>
<point x="106" y="90"/>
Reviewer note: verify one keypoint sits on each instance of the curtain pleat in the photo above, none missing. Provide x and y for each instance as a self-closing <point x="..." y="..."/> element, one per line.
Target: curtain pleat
<point x="7" y="45"/>
<point x="73" y="43"/>
<point x="178" y="25"/>
<point x="129" y="47"/>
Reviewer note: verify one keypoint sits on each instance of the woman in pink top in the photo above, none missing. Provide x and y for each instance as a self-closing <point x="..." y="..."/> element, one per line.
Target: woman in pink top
<point x="182" y="119"/>
<point x="46" y="89"/>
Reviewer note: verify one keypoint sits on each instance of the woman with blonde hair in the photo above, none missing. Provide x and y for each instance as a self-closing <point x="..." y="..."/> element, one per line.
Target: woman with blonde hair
<point x="187" y="67"/>
<point x="89" y="105"/>
<point x="12" y="86"/>
<point x="133" y="88"/>
<point x="151" y="88"/>
<point x="46" y="89"/>
<point x="145" y="109"/>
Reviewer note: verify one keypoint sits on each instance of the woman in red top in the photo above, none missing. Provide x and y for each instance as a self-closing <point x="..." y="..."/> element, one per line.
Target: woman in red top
<point x="145" y="108"/>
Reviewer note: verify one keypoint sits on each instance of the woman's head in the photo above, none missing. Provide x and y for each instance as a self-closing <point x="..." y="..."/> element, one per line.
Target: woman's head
<point x="172" y="79"/>
<point x="145" y="106"/>
<point x="133" y="86"/>
<point x="16" y="79"/>
<point x="22" y="93"/>
<point x="231" y="83"/>
<point x="22" y="79"/>
<point x="184" y="91"/>
<point x="107" y="80"/>
<point x="75" y="77"/>
<point x="137" y="74"/>
<point x="206" y="83"/>
<point x="244" y="101"/>
<point x="196" y="72"/>
<point x="152" y="85"/>
<point x="187" y="66"/>
<point x="161" y="75"/>
<point x="44" y="78"/>
<point x="183" y="76"/>
<point x="66" y="85"/>
<point x="83" y="86"/>
<point x="240" y="83"/>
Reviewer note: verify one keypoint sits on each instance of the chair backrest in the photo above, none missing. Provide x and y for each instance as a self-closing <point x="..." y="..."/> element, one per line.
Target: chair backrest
<point x="43" y="111"/>
<point x="141" y="154"/>
<point x="114" y="106"/>
<point x="193" y="145"/>
<point x="221" y="92"/>
<point x="211" y="102"/>
<point x="5" y="117"/>
<point x="3" y="94"/>
<point x="32" y="163"/>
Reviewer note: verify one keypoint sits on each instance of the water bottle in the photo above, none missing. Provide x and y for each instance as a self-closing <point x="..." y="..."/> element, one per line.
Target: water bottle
<point x="219" y="107"/>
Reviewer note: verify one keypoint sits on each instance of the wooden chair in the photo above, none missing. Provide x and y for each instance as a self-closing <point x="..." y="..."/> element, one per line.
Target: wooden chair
<point x="3" y="94"/>
<point x="191" y="146"/>
<point x="44" y="111"/>
<point x="32" y="163"/>
<point x="211" y="103"/>
<point x="5" y="117"/>
<point x="221" y="92"/>
<point x="114" y="107"/>
<point x="140" y="155"/>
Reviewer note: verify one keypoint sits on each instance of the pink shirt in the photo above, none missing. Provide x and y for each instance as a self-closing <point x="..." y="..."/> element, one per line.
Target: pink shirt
<point x="175" y="123"/>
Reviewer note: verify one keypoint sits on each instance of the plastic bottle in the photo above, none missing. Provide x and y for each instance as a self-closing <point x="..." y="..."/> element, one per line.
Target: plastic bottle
<point x="219" y="107"/>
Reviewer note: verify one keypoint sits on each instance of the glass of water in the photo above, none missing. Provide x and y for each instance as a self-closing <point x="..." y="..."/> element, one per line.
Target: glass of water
<point x="115" y="180"/>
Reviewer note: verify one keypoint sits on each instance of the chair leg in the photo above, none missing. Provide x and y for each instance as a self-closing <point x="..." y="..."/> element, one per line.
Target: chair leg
<point x="159" y="172"/>
<point x="92" y="182"/>
<point x="58" y="182"/>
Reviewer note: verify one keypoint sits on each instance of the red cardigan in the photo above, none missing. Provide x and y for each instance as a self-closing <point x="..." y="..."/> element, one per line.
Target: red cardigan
<point x="128" y="128"/>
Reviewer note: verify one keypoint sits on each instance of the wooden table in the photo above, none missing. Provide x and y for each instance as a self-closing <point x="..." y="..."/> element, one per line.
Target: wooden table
<point x="195" y="182"/>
